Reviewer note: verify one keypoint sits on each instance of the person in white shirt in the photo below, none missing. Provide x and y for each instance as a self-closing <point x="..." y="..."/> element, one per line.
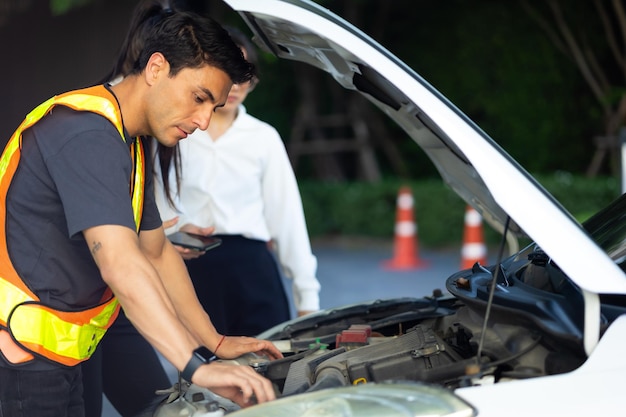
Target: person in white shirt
<point x="235" y="180"/>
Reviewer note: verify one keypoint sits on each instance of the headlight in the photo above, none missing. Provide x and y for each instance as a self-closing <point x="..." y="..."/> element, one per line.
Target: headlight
<point x="366" y="400"/>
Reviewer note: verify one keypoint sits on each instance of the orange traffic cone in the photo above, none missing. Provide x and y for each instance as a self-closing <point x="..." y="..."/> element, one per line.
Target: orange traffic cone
<point x="474" y="249"/>
<point x="405" y="242"/>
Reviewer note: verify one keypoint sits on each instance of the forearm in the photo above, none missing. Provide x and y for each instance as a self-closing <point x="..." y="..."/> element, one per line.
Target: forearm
<point x="155" y="318"/>
<point x="165" y="319"/>
<point x="181" y="292"/>
<point x="138" y="288"/>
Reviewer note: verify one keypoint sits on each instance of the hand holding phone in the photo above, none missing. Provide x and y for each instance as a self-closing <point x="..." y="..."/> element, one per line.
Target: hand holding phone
<point x="195" y="242"/>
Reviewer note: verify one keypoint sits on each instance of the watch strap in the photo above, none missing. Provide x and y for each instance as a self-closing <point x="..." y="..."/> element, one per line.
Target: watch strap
<point x="200" y="356"/>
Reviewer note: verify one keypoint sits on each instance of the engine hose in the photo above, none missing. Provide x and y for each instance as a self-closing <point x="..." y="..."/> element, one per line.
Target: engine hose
<point x="328" y="378"/>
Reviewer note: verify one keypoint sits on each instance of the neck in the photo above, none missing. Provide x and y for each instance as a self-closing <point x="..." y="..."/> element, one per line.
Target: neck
<point x="130" y="101"/>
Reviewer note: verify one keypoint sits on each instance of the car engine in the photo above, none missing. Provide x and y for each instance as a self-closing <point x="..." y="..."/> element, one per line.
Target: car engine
<point x="519" y="319"/>
<point x="534" y="329"/>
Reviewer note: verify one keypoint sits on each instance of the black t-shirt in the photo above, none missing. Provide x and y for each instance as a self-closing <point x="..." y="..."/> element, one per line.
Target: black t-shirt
<point x="74" y="173"/>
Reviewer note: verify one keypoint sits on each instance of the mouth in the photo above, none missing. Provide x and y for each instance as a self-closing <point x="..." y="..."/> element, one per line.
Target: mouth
<point x="183" y="133"/>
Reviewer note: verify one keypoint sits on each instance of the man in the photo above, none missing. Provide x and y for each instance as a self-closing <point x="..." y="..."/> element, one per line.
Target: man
<point x="77" y="218"/>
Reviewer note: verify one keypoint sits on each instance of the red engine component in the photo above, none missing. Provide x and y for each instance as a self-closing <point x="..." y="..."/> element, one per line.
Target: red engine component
<point x="355" y="336"/>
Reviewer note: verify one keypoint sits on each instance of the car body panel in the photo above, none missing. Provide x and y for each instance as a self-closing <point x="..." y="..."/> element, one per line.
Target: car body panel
<point x="594" y="389"/>
<point x="469" y="161"/>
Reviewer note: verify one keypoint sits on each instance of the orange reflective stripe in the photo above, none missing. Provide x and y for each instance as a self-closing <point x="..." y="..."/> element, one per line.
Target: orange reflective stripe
<point x="71" y="336"/>
<point x="64" y="337"/>
<point x="81" y="100"/>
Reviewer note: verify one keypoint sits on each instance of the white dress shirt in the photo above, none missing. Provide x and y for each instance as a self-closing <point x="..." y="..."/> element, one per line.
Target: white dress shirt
<point x="243" y="184"/>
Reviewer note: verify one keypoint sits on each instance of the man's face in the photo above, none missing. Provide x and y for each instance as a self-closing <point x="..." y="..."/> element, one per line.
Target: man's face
<point x="181" y="104"/>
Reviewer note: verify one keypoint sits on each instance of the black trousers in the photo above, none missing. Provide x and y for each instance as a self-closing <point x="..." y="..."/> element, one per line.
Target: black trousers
<point x="126" y="368"/>
<point x="239" y="285"/>
<point x="49" y="393"/>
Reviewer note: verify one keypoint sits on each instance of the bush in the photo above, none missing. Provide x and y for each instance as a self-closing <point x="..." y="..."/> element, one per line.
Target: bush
<point x="369" y="210"/>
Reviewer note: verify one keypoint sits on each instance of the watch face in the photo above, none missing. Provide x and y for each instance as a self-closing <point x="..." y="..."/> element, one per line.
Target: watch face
<point x="204" y="353"/>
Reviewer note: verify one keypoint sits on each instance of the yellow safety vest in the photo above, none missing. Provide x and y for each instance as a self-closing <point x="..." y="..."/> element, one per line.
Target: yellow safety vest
<point x="26" y="325"/>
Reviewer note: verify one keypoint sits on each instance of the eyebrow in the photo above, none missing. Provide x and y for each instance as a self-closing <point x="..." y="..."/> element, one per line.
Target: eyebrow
<point x="211" y="97"/>
<point x="208" y="93"/>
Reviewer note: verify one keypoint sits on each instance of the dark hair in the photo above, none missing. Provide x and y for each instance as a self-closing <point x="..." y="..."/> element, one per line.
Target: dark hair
<point x="244" y="42"/>
<point x="186" y="40"/>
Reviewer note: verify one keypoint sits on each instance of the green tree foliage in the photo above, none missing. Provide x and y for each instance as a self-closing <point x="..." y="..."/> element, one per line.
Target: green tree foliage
<point x="591" y="34"/>
<point x="365" y="209"/>
<point x="59" y="7"/>
<point x="491" y="60"/>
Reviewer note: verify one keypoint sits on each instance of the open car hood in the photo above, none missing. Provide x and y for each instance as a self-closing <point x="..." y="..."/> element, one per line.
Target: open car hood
<point x="469" y="161"/>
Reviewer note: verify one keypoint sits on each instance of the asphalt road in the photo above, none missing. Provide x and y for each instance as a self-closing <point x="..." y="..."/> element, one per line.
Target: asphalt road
<point x="352" y="271"/>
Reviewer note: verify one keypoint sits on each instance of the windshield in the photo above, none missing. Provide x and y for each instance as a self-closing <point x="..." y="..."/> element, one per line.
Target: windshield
<point x="608" y="230"/>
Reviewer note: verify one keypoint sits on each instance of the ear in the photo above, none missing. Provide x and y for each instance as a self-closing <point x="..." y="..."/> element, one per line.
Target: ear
<point x="156" y="67"/>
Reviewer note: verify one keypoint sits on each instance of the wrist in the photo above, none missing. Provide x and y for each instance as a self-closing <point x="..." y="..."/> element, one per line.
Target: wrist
<point x="200" y="356"/>
<point x="219" y="344"/>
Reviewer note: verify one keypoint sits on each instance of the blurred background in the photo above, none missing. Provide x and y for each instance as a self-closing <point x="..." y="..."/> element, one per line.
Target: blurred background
<point x="544" y="78"/>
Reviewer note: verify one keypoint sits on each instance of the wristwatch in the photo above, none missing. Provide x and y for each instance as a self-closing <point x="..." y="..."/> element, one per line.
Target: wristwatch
<point x="200" y="356"/>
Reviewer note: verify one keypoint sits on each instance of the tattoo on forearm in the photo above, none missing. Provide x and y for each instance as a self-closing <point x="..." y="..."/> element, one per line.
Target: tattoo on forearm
<point x="95" y="248"/>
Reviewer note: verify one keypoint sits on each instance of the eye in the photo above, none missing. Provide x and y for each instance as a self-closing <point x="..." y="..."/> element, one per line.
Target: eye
<point x="198" y="99"/>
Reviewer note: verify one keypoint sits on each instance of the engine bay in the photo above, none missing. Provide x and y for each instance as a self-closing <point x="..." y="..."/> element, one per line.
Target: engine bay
<point x="533" y="330"/>
<point x="516" y="320"/>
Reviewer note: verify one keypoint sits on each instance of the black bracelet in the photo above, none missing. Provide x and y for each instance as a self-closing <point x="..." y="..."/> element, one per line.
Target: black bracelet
<point x="200" y="356"/>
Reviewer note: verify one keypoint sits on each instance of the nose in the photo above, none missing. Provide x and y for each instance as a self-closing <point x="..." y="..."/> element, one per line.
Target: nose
<point x="202" y="119"/>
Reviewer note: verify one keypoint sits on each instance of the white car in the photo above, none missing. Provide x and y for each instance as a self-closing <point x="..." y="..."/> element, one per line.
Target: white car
<point x="540" y="333"/>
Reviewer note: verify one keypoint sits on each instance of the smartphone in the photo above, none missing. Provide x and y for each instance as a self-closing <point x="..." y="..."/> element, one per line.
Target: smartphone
<point x="195" y="242"/>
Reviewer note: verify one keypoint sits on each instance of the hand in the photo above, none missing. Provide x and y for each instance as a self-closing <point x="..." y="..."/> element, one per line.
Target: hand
<point x="169" y="223"/>
<point x="237" y="383"/>
<point x="187" y="253"/>
<point x="197" y="230"/>
<point x="305" y="312"/>
<point x="234" y="346"/>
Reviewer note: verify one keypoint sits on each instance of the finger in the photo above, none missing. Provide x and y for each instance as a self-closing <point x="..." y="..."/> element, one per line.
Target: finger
<point x="237" y="346"/>
<point x="238" y="383"/>
<point x="270" y="350"/>
<point x="253" y="386"/>
<point x="246" y="393"/>
<point x="190" y="228"/>
<point x="305" y="312"/>
<point x="232" y="393"/>
<point x="257" y="388"/>
<point x="169" y="223"/>
<point x="206" y="231"/>
<point x="191" y="254"/>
